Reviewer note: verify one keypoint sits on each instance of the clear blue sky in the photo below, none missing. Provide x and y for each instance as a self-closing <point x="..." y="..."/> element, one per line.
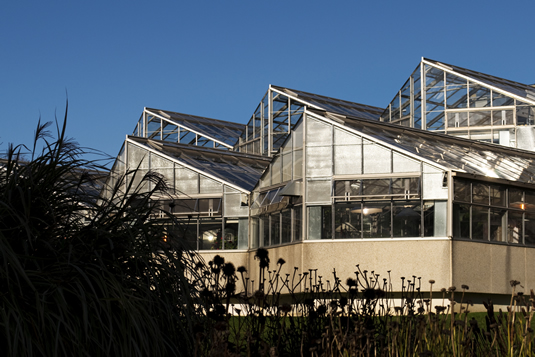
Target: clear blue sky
<point x="217" y="58"/>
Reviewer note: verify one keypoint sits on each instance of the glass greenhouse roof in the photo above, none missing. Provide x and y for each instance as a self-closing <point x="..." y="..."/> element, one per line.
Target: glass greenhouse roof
<point x="450" y="152"/>
<point x="243" y="170"/>
<point x="220" y="130"/>
<point x="519" y="89"/>
<point x="334" y="105"/>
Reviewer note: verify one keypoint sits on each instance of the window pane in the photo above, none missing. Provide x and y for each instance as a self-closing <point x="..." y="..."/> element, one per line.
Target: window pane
<point x="480" y="223"/>
<point x="498" y="221"/>
<point x="376" y="220"/>
<point x="319" y="222"/>
<point x="461" y="221"/>
<point x="298" y="212"/>
<point x="286" y="226"/>
<point x="462" y="190"/>
<point x="275" y="229"/>
<point x="376" y="188"/>
<point x="347" y="220"/>
<point x="407" y="219"/>
<point x="516" y="198"/>
<point x="210" y="235"/>
<point x="514" y="227"/>
<point x="264" y="228"/>
<point x="497" y="195"/>
<point x="529" y="224"/>
<point x="480" y="193"/>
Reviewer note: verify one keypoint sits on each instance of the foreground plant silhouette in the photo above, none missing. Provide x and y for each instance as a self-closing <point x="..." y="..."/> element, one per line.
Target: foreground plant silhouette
<point x="83" y="275"/>
<point x="304" y="314"/>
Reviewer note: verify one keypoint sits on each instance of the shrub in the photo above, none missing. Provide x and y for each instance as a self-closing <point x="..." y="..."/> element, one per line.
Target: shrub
<point x="83" y="275"/>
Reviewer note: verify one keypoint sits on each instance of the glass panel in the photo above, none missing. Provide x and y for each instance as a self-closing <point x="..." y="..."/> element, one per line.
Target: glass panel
<point x="499" y="100"/>
<point x="529" y="226"/>
<point x="406" y="186"/>
<point x="275" y="229"/>
<point x="297" y="223"/>
<point x="210" y="237"/>
<point x="480" y="193"/>
<point x="498" y="222"/>
<point x="187" y="137"/>
<point x="461" y="221"/>
<point x="461" y="190"/>
<point x="394" y="109"/>
<point x="243" y="233"/>
<point x="504" y="117"/>
<point x="479" y="118"/>
<point x="435" y="120"/>
<point x="377" y="159"/>
<point x="347" y="160"/>
<point x="208" y="185"/>
<point x="286" y="217"/>
<point x="525" y="115"/>
<point x="480" y="223"/>
<point x="264" y="228"/>
<point x="319" y="222"/>
<point x="479" y="96"/>
<point x="407" y="219"/>
<point x="497" y="195"/>
<point x="516" y="198"/>
<point x="154" y="126"/>
<point x="230" y="234"/>
<point x="456" y="92"/>
<point x="298" y="164"/>
<point x="376" y="220"/>
<point x="170" y="132"/>
<point x="186" y="181"/>
<point x="318" y="133"/>
<point x="255" y="234"/>
<point x="287" y="167"/>
<point x="514" y="227"/>
<point x="276" y="171"/>
<point x="376" y="188"/>
<point x="319" y="161"/>
<point x="347" y="220"/>
<point x="318" y="191"/>
<point x="342" y="137"/>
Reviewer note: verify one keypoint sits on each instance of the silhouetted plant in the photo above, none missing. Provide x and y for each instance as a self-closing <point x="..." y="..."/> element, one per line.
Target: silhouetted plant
<point x="83" y="275"/>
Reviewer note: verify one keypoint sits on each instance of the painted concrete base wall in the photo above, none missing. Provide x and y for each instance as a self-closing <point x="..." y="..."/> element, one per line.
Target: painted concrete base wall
<point x="488" y="268"/>
<point x="428" y="259"/>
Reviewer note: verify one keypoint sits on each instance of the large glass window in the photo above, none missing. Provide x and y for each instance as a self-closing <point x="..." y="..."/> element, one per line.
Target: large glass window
<point x="495" y="213"/>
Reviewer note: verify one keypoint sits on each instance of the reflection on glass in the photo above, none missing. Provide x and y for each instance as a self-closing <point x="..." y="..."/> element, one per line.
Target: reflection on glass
<point x="480" y="223"/>
<point x="461" y="221"/>
<point x="406" y="219"/>
<point x="376" y="220"/>
<point x="347" y="220"/>
<point x="210" y="234"/>
<point x="286" y="227"/>
<point x="514" y="227"/>
<point x="498" y="222"/>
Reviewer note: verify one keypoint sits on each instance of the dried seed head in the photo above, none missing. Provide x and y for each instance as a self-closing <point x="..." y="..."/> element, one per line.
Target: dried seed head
<point x="431" y="281"/>
<point x="464" y="287"/>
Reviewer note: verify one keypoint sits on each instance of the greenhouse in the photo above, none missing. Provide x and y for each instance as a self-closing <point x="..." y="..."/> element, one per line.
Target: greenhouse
<point x="440" y="182"/>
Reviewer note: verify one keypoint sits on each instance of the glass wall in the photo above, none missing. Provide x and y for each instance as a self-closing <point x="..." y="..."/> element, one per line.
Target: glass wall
<point x="458" y="106"/>
<point x="272" y="121"/>
<point x="210" y="214"/>
<point x="377" y="208"/>
<point x="493" y="213"/>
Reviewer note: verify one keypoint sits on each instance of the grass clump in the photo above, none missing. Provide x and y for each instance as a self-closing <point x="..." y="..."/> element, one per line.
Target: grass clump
<point x="304" y="314"/>
<point x="83" y="275"/>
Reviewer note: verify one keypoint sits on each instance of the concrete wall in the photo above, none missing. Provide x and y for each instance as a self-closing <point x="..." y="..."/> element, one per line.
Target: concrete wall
<point x="425" y="258"/>
<point x="488" y="268"/>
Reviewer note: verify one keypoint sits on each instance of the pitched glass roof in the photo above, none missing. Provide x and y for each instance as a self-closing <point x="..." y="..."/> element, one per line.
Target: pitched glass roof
<point x="334" y="105"/>
<point x="450" y="152"/>
<point x="243" y="170"/>
<point x="520" y="89"/>
<point x="224" y="131"/>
